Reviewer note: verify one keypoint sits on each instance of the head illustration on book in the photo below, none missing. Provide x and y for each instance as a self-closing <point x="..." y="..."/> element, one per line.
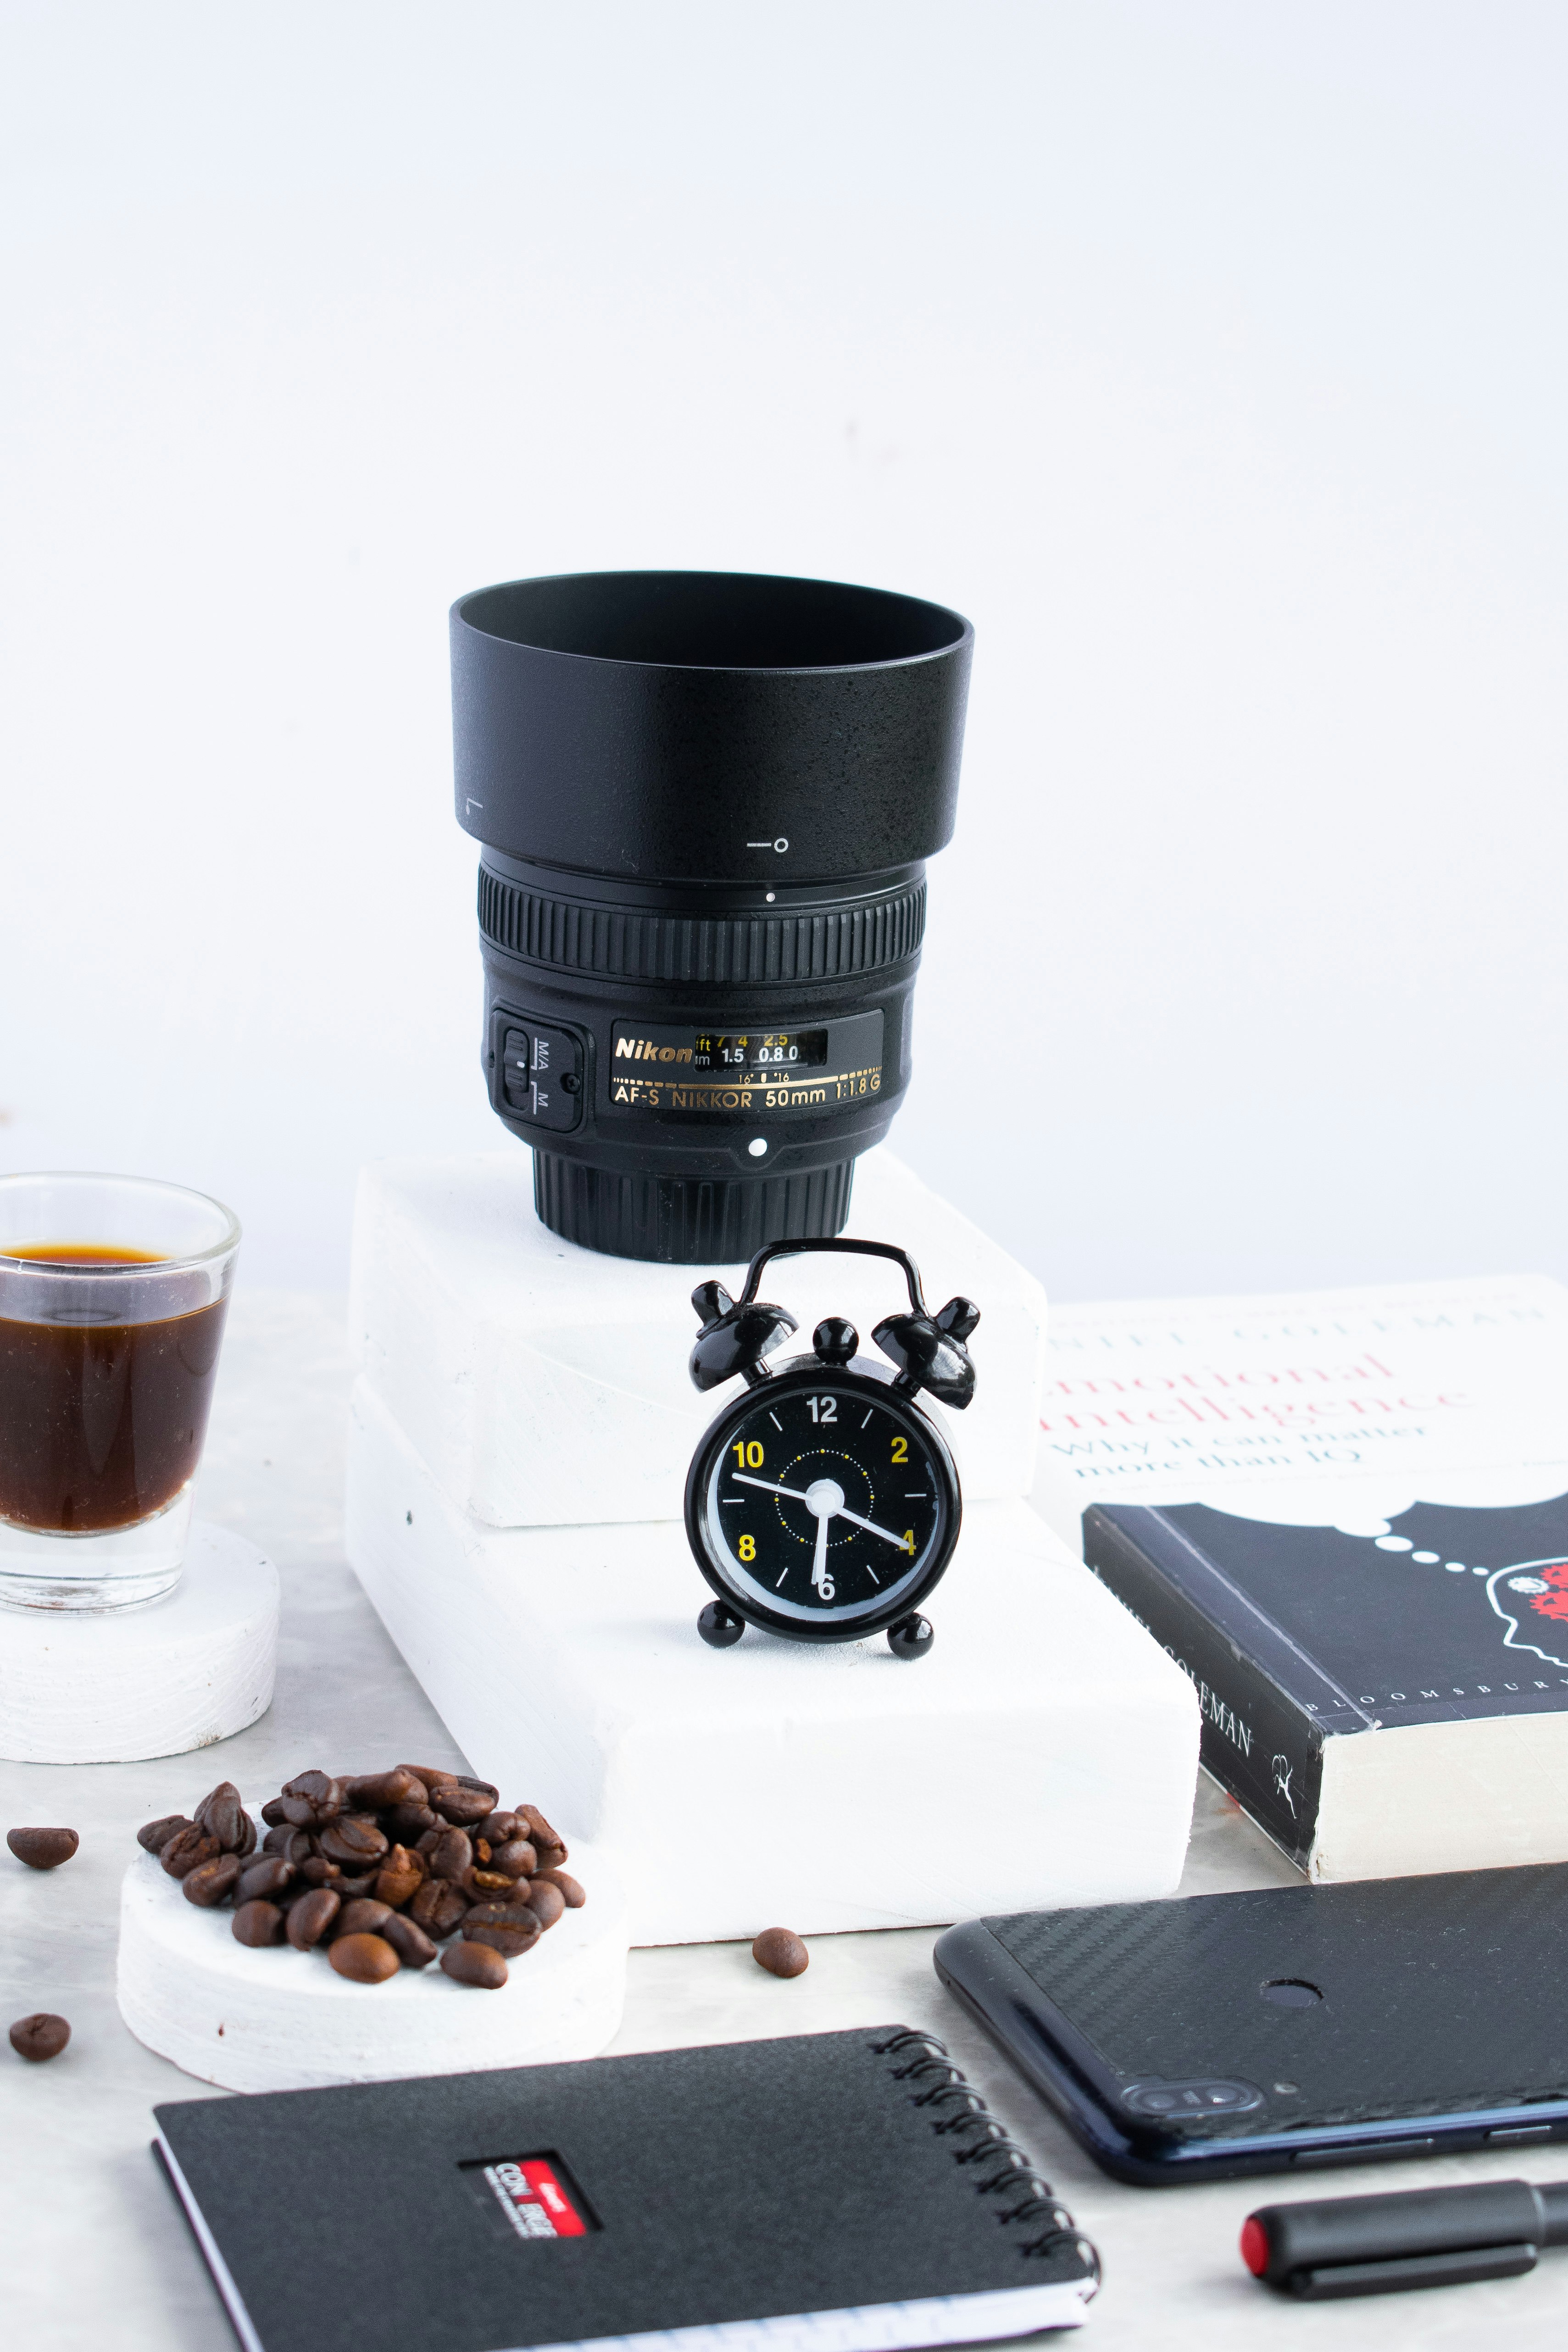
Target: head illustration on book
<point x="1532" y="1599"/>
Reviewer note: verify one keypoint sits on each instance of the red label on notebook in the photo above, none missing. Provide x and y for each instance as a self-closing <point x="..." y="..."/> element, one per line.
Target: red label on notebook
<point x="535" y="2198"/>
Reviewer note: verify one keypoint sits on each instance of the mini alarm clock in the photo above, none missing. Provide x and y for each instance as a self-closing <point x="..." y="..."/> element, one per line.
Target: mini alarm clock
<point x="823" y="1502"/>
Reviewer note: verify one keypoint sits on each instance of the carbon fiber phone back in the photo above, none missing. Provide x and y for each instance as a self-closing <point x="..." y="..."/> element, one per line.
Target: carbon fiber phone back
<point x="1437" y="1994"/>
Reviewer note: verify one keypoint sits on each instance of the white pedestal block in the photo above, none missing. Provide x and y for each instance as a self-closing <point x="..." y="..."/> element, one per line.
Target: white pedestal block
<point x="158" y="1681"/>
<point x="284" y="2021"/>
<point x="1045" y="1753"/>
<point x="545" y="1385"/>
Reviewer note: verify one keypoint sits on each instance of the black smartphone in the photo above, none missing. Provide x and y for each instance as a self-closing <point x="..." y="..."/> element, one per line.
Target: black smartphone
<point x="1212" y="2036"/>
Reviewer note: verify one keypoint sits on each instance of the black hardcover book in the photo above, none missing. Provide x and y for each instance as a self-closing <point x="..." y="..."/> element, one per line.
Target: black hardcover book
<point x="845" y="2190"/>
<point x="1379" y="1704"/>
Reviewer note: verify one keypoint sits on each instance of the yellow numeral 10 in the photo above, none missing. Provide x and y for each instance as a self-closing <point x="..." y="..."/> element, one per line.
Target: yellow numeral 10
<point x="750" y="1455"/>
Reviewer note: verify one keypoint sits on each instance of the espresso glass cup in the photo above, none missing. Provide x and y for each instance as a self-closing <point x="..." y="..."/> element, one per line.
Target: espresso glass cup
<point x="114" y="1292"/>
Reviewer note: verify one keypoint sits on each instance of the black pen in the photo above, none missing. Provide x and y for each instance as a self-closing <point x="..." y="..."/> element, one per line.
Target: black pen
<point x="1416" y="2237"/>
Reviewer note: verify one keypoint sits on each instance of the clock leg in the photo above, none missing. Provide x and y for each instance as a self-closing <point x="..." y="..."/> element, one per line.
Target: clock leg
<point x="912" y="1637"/>
<point x="719" y="1627"/>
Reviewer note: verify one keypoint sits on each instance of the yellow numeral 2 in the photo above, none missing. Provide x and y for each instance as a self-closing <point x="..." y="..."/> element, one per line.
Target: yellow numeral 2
<point x="900" y="1449"/>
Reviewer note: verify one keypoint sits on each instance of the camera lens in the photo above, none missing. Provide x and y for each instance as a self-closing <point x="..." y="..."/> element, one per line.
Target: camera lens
<point x="705" y="801"/>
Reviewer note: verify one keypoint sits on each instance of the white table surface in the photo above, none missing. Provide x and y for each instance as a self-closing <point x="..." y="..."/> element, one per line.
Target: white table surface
<point x="93" y="2251"/>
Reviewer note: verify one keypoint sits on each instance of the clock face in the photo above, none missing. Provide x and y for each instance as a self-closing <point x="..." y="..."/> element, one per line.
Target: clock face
<point x="824" y="1499"/>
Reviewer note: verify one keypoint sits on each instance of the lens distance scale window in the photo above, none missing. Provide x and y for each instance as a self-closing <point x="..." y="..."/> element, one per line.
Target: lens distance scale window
<point x="663" y="1071"/>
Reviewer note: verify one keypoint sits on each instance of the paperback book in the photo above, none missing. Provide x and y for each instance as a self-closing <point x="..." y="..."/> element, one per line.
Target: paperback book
<point x="1345" y="1516"/>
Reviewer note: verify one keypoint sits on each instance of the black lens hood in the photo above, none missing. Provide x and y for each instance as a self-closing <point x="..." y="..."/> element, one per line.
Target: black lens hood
<point x="707" y="727"/>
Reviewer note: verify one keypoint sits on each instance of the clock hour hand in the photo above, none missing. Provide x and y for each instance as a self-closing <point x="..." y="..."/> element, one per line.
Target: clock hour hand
<point x="791" y="1494"/>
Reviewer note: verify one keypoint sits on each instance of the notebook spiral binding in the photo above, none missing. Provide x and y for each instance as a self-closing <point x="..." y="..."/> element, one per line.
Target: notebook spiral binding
<point x="1002" y="2170"/>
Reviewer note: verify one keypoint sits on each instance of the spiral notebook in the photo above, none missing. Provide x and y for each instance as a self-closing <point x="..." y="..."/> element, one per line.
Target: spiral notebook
<point x="838" y="2192"/>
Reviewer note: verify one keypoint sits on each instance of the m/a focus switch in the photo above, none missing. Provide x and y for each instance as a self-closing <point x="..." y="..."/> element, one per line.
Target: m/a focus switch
<point x="542" y="1077"/>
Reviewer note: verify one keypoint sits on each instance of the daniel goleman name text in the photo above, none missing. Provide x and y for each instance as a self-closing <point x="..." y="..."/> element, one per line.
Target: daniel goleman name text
<point x="1224" y="1719"/>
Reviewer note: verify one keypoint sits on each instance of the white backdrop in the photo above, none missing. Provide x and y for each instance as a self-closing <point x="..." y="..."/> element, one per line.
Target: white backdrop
<point x="1211" y="357"/>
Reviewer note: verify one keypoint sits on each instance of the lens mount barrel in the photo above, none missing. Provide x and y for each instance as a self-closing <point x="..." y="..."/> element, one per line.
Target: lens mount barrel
<point x="706" y="801"/>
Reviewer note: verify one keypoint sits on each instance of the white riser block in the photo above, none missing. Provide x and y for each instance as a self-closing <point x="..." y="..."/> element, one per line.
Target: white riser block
<point x="546" y="1385"/>
<point x="137" y="1683"/>
<point x="285" y="2020"/>
<point x="1045" y="1753"/>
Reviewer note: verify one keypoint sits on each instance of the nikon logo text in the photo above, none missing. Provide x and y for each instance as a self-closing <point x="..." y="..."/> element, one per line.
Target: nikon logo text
<point x="643" y="1049"/>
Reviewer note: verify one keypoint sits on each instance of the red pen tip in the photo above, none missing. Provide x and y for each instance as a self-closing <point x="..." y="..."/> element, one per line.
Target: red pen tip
<point x="1254" y="2246"/>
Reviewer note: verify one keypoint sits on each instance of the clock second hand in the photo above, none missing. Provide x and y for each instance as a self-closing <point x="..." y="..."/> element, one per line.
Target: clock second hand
<point x="795" y="1495"/>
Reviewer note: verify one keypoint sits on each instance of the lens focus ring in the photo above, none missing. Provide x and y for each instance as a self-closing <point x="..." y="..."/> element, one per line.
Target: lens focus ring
<point x="709" y="950"/>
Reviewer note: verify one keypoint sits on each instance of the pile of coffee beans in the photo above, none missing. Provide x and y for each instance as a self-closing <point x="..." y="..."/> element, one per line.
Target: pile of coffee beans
<point x="378" y="1870"/>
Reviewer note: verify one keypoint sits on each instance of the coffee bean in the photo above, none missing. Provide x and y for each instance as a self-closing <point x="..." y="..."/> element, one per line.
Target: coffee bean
<point x="320" y="1872"/>
<point x="489" y="1881"/>
<point x="460" y="1805"/>
<point x="363" y="1959"/>
<point x="428" y="1773"/>
<point x="186" y="1849"/>
<point x="39" y="2036"/>
<point x="212" y="1883"/>
<point x="42" y="1849"/>
<point x="257" y="1923"/>
<point x="364" y="1917"/>
<point x="438" y="1906"/>
<point x="353" y="1841"/>
<point x="310" y="1916"/>
<point x="451" y="1854"/>
<point x="501" y="1826"/>
<point x="311" y="1798"/>
<point x="572" y="1894"/>
<point x="376" y="1792"/>
<point x="781" y="1952"/>
<point x="518" y="1858"/>
<point x="546" y="1902"/>
<point x="268" y="1876"/>
<point x="399" y="1874"/>
<point x="409" y="1941"/>
<point x="223" y="1816"/>
<point x="273" y="1814"/>
<point x="510" y="1927"/>
<point x="354" y="1889"/>
<point x="475" y="1964"/>
<point x="551" y="1844"/>
<point x="408" y="1823"/>
<point x="294" y="1845"/>
<point x="153" y="1836"/>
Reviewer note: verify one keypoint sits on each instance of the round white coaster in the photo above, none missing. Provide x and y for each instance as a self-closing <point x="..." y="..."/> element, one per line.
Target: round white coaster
<point x="280" y="2020"/>
<point x="158" y="1681"/>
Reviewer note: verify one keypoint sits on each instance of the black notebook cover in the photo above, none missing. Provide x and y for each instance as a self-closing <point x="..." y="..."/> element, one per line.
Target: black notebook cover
<point x="1294" y="1635"/>
<point x="842" y="2189"/>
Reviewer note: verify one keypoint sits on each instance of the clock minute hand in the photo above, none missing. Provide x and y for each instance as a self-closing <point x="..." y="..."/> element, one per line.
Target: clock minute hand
<point x="794" y="1495"/>
<point x="872" y="1528"/>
